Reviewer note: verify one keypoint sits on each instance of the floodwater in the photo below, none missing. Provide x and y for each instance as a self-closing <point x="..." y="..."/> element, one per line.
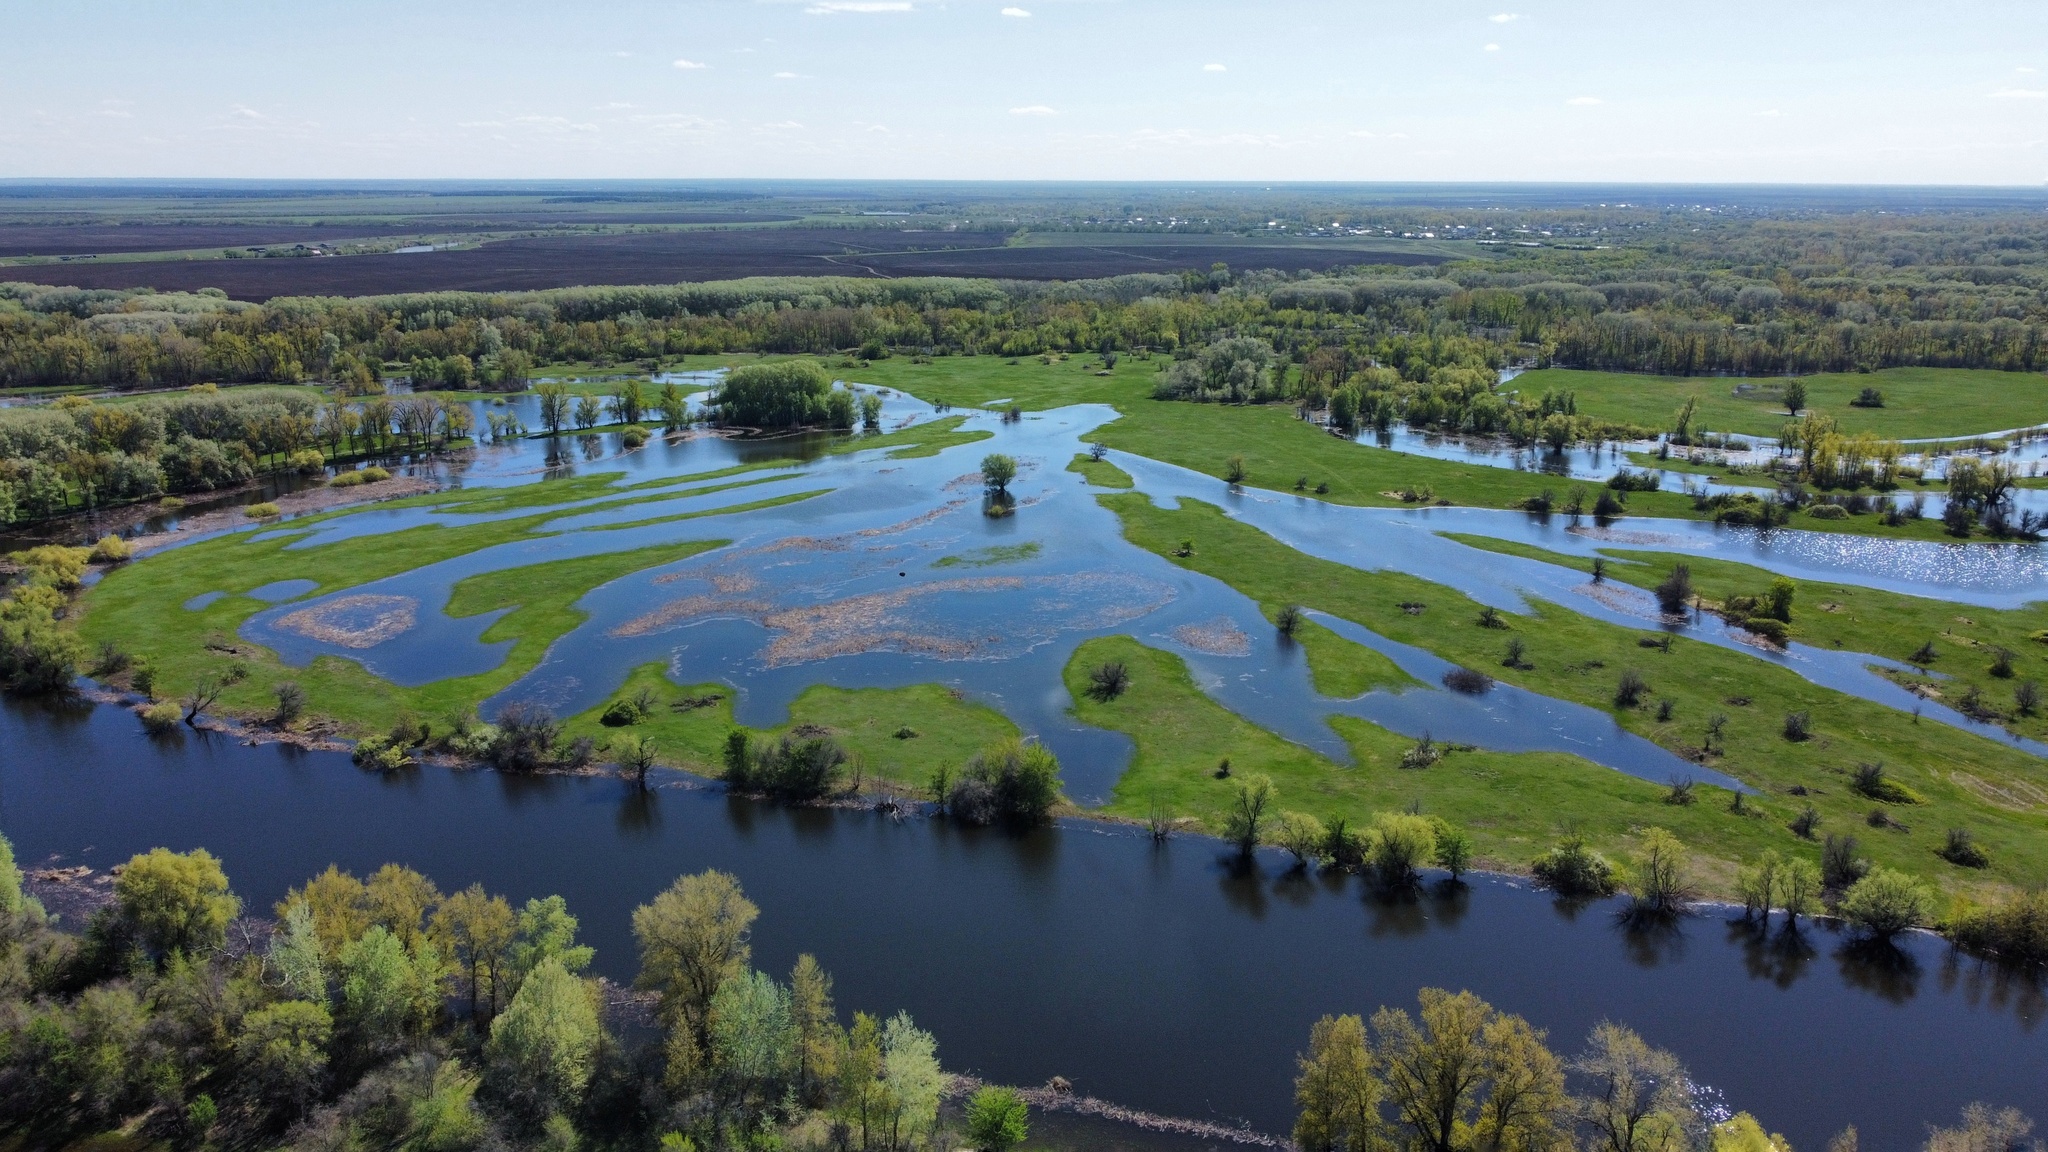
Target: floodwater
<point x="1163" y="978"/>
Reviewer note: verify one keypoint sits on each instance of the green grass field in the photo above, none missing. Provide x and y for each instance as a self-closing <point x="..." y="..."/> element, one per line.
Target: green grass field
<point x="1967" y="781"/>
<point x="1278" y="450"/>
<point x="1966" y="639"/>
<point x="1919" y="403"/>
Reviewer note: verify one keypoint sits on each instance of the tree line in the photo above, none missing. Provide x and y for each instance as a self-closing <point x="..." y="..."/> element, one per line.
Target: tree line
<point x="380" y="1011"/>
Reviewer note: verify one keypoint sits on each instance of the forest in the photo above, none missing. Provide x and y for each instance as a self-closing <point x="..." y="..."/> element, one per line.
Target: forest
<point x="1670" y="294"/>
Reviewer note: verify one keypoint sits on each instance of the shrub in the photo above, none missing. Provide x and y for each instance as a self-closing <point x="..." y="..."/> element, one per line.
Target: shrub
<point x="162" y="716"/>
<point x="1630" y="689"/>
<point x="374" y="474"/>
<point x="1303" y="836"/>
<point x="110" y="550"/>
<point x="1453" y="849"/>
<point x="622" y="713"/>
<point x="1571" y="869"/>
<point x="633" y="436"/>
<point x="2026" y="697"/>
<point x="1467" y="681"/>
<point x="1777" y="603"/>
<point x="291" y="700"/>
<point x="1233" y="470"/>
<point x="1515" y="650"/>
<point x="1840" y="867"/>
<point x="2001" y="664"/>
<point x="1396" y="846"/>
<point x="1289" y="620"/>
<point x="1960" y="848"/>
<point x="2015" y="931"/>
<point x="1425" y="753"/>
<point x="1804" y="824"/>
<point x="345" y="480"/>
<point x="380" y="753"/>
<point x="1798" y="726"/>
<point x="1108" y="681"/>
<point x="1254" y="794"/>
<point x="1868" y="398"/>
<point x="1657" y="883"/>
<point x="1608" y="506"/>
<point x="526" y="738"/>
<point x="1885" y="903"/>
<point x="262" y="511"/>
<point x="1490" y="617"/>
<point x="1674" y="592"/>
<point x="1924" y="654"/>
<point x="794" y="768"/>
<point x="1828" y="512"/>
<point x="308" y="460"/>
<point x="1011" y="781"/>
<point x="1680" y="792"/>
<point x="1871" y="781"/>
<point x="1624" y="480"/>
<point x="996" y="1119"/>
<point x="1772" y="630"/>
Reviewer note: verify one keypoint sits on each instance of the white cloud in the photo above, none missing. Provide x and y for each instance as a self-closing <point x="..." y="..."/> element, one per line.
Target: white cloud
<point x="1362" y="134"/>
<point x="1019" y="13"/>
<point x="1493" y="47"/>
<point x="622" y="55"/>
<point x="1505" y="17"/>
<point x="1033" y="110"/>
<point x="620" y="104"/>
<point x="1584" y="101"/>
<point x="1771" y="113"/>
<point x="787" y="76"/>
<point x="691" y="65"/>
<point x="835" y="7"/>
<point x="1214" y="68"/>
<point x="246" y="112"/>
<point x="785" y="124"/>
<point x="2019" y="94"/>
<point x="2025" y="71"/>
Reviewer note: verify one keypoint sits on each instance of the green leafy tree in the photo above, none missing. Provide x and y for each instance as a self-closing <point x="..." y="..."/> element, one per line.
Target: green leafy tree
<point x="1336" y="1091"/>
<point x="543" y="1046"/>
<point x="754" y="1040"/>
<point x="693" y="938"/>
<point x="387" y="993"/>
<point x="780" y="394"/>
<point x="1885" y="903"/>
<point x="911" y="1072"/>
<point x="546" y="929"/>
<point x="819" y="1037"/>
<point x="1433" y="1070"/>
<point x="176" y="902"/>
<point x="997" y="1119"/>
<point x="675" y="410"/>
<point x="282" y="1053"/>
<point x="294" y="954"/>
<point x="12" y="901"/>
<point x="1638" y="1098"/>
<point x="554" y="406"/>
<point x="997" y="470"/>
<point x="476" y="930"/>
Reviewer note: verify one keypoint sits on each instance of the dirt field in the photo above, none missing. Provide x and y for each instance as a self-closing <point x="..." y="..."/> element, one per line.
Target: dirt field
<point x="666" y="258"/>
<point x="103" y="238"/>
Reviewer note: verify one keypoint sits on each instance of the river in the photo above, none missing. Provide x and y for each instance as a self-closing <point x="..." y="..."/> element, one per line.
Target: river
<point x="1163" y="978"/>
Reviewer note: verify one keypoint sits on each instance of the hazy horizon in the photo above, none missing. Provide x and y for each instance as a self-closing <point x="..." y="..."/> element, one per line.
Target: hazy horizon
<point x="1588" y="91"/>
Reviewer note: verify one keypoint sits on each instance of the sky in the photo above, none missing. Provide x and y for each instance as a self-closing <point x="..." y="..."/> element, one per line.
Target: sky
<point x="1739" y="91"/>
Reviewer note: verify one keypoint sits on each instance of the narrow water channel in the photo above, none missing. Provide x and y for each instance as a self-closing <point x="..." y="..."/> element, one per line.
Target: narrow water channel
<point x="1162" y="978"/>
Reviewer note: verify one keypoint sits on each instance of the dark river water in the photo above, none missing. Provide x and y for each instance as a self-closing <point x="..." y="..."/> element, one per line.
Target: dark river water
<point x="1161" y="978"/>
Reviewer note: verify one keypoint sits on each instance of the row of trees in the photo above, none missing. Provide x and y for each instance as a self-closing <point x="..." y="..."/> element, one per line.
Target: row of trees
<point x="1462" y="1076"/>
<point x="1753" y="296"/>
<point x="77" y="454"/>
<point x="380" y="1011"/>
